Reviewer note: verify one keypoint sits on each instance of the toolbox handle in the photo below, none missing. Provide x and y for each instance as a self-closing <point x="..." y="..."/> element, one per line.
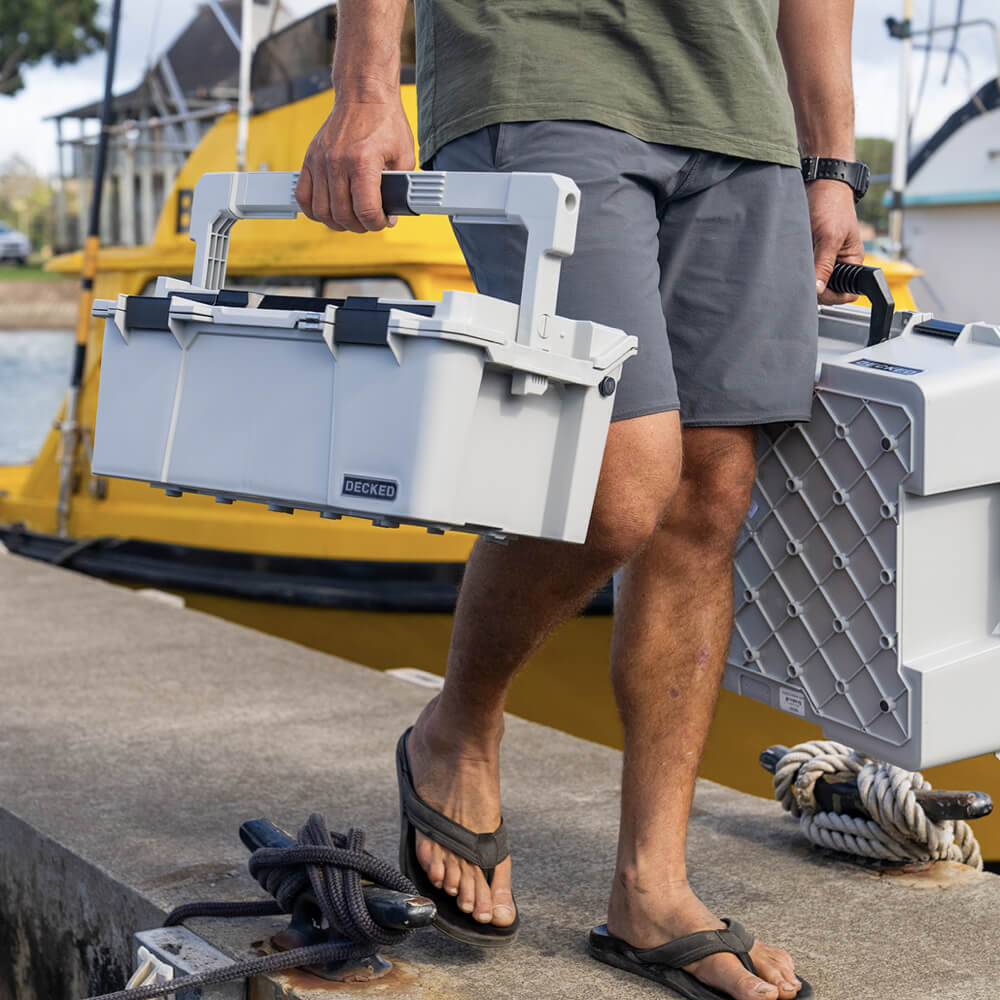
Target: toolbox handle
<point x="545" y="205"/>
<point x="858" y="279"/>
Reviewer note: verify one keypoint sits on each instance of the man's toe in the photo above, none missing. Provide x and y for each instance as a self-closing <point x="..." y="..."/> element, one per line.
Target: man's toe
<point x="504" y="911"/>
<point x="484" y="901"/>
<point x="467" y="895"/>
<point x="786" y="991"/>
<point x="776" y="967"/>
<point x="431" y="859"/>
<point x="452" y="875"/>
<point x="751" y="987"/>
<point x="725" y="974"/>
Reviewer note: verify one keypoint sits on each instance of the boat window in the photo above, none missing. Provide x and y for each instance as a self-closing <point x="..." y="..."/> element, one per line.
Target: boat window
<point x="267" y="285"/>
<point x="294" y="62"/>
<point x="273" y="284"/>
<point x="378" y="288"/>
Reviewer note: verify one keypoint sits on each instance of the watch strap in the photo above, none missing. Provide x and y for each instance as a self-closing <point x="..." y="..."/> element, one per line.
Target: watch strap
<point x="853" y="173"/>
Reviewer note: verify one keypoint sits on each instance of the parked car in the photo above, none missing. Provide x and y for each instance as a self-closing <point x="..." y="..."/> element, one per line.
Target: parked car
<point x="14" y="246"/>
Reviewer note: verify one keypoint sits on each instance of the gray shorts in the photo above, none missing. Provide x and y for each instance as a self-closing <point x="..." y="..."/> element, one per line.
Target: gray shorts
<point x="706" y="258"/>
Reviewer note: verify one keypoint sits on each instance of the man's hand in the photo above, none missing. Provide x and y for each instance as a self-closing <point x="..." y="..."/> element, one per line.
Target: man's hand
<point x="342" y="170"/>
<point x="367" y="131"/>
<point x="835" y="234"/>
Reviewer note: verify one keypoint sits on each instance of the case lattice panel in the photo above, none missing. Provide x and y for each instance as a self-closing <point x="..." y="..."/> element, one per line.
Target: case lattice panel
<point x="815" y="572"/>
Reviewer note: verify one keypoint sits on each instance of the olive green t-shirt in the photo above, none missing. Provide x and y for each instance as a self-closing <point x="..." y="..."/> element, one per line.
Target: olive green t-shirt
<point x="705" y="74"/>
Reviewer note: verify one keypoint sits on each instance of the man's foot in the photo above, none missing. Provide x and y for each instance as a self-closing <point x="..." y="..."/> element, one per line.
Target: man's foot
<point x="649" y="915"/>
<point x="458" y="774"/>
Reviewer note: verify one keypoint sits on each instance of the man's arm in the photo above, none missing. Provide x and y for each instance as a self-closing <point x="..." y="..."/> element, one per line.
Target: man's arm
<point x="367" y="131"/>
<point x="815" y="40"/>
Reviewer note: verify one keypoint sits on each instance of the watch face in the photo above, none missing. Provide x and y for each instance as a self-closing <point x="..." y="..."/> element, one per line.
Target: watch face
<point x="863" y="179"/>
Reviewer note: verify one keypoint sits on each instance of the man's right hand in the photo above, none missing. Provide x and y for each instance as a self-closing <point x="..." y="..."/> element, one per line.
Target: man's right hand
<point x="339" y="184"/>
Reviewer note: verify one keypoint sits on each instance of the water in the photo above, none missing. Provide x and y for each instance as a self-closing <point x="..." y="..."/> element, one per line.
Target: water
<point x="34" y="372"/>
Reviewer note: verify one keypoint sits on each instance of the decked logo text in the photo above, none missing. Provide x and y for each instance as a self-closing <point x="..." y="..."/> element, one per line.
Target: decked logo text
<point x="375" y="489"/>
<point x="883" y="367"/>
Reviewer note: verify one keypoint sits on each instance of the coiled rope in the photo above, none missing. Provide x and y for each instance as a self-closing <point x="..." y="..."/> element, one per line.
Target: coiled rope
<point x="899" y="829"/>
<point x="331" y="865"/>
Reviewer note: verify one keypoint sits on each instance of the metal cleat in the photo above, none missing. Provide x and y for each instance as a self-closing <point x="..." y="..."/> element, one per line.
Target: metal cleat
<point x="390" y="909"/>
<point x="843" y="796"/>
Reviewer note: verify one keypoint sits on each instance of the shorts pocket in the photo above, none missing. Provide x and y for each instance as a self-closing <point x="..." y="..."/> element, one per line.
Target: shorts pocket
<point x="499" y="135"/>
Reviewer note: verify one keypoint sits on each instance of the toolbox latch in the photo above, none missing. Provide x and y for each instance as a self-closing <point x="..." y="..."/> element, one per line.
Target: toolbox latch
<point x="362" y="320"/>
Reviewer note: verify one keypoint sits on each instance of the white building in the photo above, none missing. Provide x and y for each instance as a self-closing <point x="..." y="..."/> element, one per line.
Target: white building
<point x="951" y="217"/>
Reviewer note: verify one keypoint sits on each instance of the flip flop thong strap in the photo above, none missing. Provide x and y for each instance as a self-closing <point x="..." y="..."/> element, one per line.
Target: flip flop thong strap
<point x="694" y="947"/>
<point x="485" y="850"/>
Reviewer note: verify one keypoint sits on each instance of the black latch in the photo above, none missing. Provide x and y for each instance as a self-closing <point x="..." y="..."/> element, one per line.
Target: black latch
<point x="232" y="298"/>
<point x="146" y="312"/>
<point x="939" y="328"/>
<point x="365" y="320"/>
<point x="150" y="312"/>
<point x="361" y="320"/>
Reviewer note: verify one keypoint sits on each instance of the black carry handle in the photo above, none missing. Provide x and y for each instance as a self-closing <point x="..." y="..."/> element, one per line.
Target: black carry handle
<point x="843" y="796"/>
<point x="395" y="910"/>
<point x="395" y="188"/>
<point x="856" y="279"/>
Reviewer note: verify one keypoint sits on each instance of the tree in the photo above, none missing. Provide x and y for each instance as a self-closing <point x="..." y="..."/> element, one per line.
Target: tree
<point x="26" y="200"/>
<point x="877" y="153"/>
<point x="33" y="30"/>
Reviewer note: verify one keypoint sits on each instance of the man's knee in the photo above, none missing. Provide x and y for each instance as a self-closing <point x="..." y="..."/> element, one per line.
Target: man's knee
<point x="639" y="478"/>
<point x="714" y="494"/>
<point x="624" y="523"/>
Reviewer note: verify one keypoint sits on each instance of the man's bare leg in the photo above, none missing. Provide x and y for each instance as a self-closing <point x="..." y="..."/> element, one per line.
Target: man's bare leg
<point x="672" y="628"/>
<point x="512" y="597"/>
<point x="676" y="591"/>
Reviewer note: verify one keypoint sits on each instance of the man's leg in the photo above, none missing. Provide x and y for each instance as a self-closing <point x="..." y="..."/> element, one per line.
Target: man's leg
<point x="512" y="597"/>
<point x="672" y="628"/>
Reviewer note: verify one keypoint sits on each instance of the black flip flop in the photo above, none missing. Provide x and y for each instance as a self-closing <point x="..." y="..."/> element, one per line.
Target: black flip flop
<point x="663" y="964"/>
<point x="485" y="850"/>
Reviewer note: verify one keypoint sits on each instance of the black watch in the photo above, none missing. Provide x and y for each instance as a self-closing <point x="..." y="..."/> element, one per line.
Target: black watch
<point x="856" y="174"/>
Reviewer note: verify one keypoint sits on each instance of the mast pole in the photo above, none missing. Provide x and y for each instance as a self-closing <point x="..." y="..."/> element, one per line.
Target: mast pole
<point x="246" y="54"/>
<point x="69" y="426"/>
<point x="900" y="151"/>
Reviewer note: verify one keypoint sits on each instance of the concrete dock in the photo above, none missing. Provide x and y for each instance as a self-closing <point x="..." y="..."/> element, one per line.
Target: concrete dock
<point x="136" y="736"/>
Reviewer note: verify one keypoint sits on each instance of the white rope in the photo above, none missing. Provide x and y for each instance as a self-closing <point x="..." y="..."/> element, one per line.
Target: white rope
<point x="899" y="829"/>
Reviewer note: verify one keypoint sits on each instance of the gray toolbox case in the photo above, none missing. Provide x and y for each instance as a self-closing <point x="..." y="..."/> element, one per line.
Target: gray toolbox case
<point x="867" y="584"/>
<point x="469" y="413"/>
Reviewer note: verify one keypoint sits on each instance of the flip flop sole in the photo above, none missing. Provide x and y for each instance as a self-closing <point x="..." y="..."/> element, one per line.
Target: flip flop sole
<point x="607" y="948"/>
<point x="450" y="920"/>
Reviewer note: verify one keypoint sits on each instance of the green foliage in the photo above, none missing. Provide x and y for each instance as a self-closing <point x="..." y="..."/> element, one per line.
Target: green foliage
<point x="33" y="30"/>
<point x="26" y="200"/>
<point x="28" y="273"/>
<point x="877" y="153"/>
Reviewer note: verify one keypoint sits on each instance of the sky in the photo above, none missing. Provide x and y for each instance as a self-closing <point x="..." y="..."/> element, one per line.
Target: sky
<point x="148" y="27"/>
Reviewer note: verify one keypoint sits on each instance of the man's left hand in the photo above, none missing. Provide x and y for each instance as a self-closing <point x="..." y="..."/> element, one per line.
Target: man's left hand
<point x="835" y="234"/>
